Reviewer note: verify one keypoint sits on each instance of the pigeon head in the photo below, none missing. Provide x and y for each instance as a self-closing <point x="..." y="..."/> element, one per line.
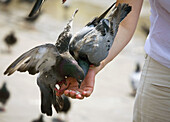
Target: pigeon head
<point x="70" y="68"/>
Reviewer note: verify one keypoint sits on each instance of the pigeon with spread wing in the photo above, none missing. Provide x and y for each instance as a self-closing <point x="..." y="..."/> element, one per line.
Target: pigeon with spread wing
<point x="54" y="64"/>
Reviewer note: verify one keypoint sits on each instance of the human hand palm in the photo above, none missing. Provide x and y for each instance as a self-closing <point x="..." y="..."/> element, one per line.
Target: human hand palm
<point x="85" y="89"/>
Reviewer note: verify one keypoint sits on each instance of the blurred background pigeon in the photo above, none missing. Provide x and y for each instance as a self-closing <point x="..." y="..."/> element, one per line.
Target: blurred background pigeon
<point x="4" y="95"/>
<point x="145" y="29"/>
<point x="57" y="120"/>
<point x="66" y="107"/>
<point x="135" y="79"/>
<point x="40" y="119"/>
<point x="66" y="8"/>
<point x="5" y="2"/>
<point x="54" y="64"/>
<point x="10" y="40"/>
<point x="28" y="1"/>
<point x="34" y="18"/>
<point x="37" y="6"/>
<point x="92" y="43"/>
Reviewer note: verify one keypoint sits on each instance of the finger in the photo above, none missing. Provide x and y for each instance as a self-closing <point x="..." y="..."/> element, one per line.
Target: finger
<point x="79" y="96"/>
<point x="67" y="92"/>
<point x="86" y="93"/>
<point x="72" y="94"/>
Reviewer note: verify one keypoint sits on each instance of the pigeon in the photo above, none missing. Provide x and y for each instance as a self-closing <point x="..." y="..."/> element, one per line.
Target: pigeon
<point x="57" y="120"/>
<point x="54" y="64"/>
<point x="5" y="2"/>
<point x="65" y="110"/>
<point x="4" y="94"/>
<point x="10" y="40"/>
<point x="92" y="43"/>
<point x="145" y="29"/>
<point x="28" y="1"/>
<point x="66" y="105"/>
<point x="135" y="79"/>
<point x="33" y="18"/>
<point x="37" y="6"/>
<point x="40" y="119"/>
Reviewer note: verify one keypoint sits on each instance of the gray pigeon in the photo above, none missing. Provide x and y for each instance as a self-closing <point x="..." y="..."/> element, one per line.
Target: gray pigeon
<point x="37" y="6"/>
<point x="92" y="43"/>
<point x="54" y="64"/>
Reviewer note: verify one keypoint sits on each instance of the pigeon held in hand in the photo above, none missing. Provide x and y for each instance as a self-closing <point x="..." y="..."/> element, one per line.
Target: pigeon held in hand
<point x="92" y="43"/>
<point x="54" y="64"/>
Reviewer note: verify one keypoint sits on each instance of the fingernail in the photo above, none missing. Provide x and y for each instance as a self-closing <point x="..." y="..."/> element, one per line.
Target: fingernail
<point x="84" y="92"/>
<point x="78" y="96"/>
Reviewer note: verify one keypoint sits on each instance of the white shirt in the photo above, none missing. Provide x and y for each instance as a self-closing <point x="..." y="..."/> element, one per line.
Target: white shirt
<point x="157" y="44"/>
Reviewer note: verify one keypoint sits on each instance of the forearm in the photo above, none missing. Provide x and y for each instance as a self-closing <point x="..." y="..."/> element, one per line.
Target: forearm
<point x="125" y="32"/>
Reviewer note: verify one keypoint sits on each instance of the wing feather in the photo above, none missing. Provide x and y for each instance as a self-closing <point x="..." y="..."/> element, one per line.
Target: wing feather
<point x="35" y="60"/>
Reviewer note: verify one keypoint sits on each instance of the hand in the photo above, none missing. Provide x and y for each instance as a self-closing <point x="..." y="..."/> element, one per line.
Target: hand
<point x="85" y="89"/>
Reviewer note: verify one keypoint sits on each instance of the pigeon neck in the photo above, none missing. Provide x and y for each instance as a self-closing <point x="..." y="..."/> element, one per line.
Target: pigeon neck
<point x="84" y="65"/>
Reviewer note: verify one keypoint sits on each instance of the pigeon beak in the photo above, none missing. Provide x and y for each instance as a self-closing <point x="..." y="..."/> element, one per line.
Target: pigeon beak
<point x="79" y="83"/>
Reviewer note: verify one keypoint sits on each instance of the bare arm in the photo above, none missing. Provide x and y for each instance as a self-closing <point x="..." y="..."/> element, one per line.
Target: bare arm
<point x="125" y="32"/>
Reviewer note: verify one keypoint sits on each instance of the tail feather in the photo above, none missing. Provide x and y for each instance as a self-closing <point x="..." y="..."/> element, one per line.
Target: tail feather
<point x="96" y="20"/>
<point x="125" y="9"/>
<point x="46" y="97"/>
<point x="117" y="15"/>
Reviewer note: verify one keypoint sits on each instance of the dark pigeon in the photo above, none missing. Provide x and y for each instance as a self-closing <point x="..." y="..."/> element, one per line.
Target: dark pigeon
<point x="4" y="94"/>
<point x="10" y="40"/>
<point x="40" y="119"/>
<point x="5" y="2"/>
<point x="135" y="79"/>
<point x="92" y="43"/>
<point x="33" y="18"/>
<point x="54" y="64"/>
<point x="37" y="6"/>
<point x="145" y="29"/>
<point x="66" y="105"/>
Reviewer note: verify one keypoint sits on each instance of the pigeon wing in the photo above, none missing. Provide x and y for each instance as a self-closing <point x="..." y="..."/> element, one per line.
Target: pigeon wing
<point x="35" y="60"/>
<point x="95" y="45"/>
